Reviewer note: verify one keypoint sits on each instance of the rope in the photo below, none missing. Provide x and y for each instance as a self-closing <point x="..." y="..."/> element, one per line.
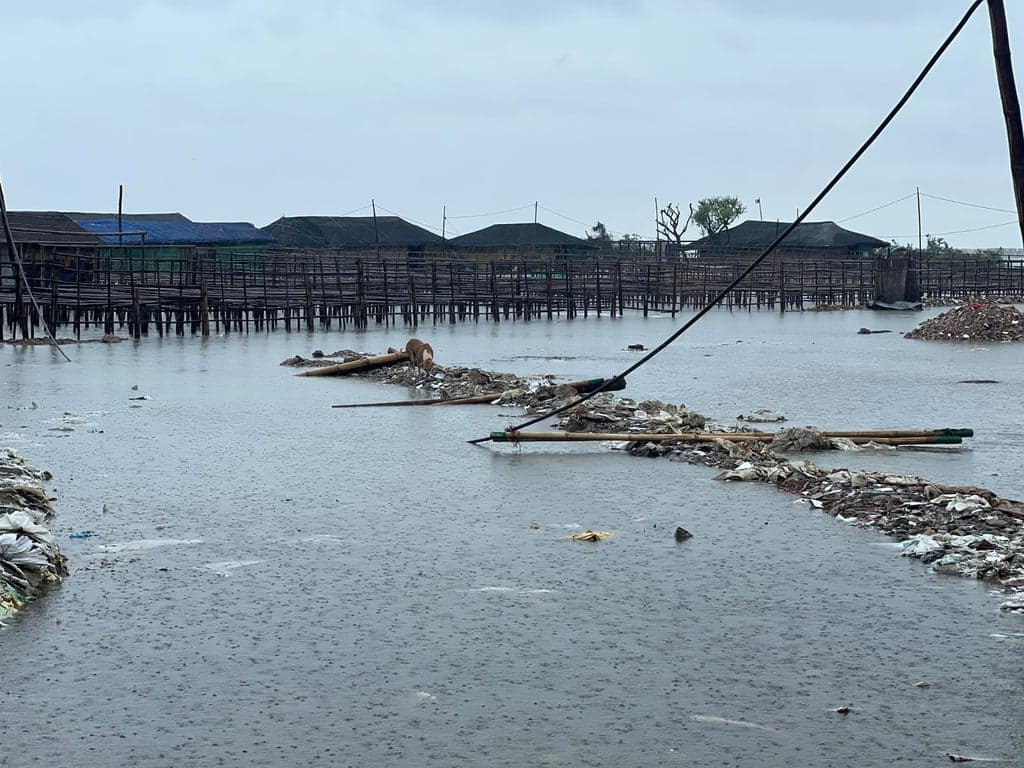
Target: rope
<point x="16" y="257"/>
<point x="775" y="243"/>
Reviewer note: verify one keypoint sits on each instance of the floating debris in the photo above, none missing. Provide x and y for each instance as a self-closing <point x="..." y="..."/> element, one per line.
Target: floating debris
<point x="460" y="383"/>
<point x="976" y="321"/>
<point x="761" y="416"/>
<point x="682" y="534"/>
<point x="966" y="531"/>
<point x="30" y="559"/>
<point x="589" y="535"/>
<point x="729" y="721"/>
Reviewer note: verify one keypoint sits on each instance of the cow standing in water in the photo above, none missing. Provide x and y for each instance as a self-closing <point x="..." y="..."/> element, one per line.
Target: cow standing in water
<point x="421" y="354"/>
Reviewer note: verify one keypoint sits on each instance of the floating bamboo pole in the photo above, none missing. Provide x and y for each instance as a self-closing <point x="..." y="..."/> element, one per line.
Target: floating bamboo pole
<point x="357" y="366"/>
<point x="584" y="386"/>
<point x="707" y="437"/>
<point x="489" y="397"/>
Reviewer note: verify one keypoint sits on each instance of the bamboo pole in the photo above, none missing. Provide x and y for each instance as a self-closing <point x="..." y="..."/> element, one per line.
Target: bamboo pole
<point x="356" y="366"/>
<point x="582" y="387"/>
<point x="701" y="437"/>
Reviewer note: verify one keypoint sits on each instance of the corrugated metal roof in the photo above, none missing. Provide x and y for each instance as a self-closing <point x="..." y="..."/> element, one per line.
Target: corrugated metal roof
<point x="48" y="227"/>
<point x="348" y="232"/>
<point x="817" y="234"/>
<point x="518" y="236"/>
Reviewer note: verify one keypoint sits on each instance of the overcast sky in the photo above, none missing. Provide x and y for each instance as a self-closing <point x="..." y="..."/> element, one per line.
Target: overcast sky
<point x="252" y="109"/>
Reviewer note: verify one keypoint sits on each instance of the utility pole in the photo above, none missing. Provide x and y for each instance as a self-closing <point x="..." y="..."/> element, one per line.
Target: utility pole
<point x="120" y="206"/>
<point x="657" y="229"/>
<point x="760" y="213"/>
<point x="534" y="211"/>
<point x="444" y="222"/>
<point x="919" y="242"/>
<point x="376" y="234"/>
<point x="1011" y="104"/>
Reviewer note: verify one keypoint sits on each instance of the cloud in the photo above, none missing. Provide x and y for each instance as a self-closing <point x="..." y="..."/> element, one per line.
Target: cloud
<point x="521" y="12"/>
<point x="869" y="11"/>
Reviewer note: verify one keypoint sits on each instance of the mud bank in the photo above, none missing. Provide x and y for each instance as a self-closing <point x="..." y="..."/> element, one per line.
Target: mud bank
<point x="30" y="560"/>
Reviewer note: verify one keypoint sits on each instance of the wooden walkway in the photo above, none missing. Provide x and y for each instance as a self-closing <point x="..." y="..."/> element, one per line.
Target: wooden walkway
<point x="81" y="291"/>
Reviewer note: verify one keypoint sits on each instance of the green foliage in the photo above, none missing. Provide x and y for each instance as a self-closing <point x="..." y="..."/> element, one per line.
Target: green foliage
<point x="598" y="234"/>
<point x="938" y="248"/>
<point x="714" y="214"/>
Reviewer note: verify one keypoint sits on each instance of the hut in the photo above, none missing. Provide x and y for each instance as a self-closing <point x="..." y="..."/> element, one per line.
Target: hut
<point x="818" y="239"/>
<point x="521" y="240"/>
<point x="391" y="235"/>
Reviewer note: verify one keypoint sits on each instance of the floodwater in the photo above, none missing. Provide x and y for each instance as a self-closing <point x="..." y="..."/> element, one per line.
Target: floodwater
<point x="270" y="582"/>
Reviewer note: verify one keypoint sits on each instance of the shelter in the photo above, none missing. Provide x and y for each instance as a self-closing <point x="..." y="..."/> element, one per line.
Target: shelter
<point x="521" y="239"/>
<point x="354" y="233"/>
<point x="819" y="238"/>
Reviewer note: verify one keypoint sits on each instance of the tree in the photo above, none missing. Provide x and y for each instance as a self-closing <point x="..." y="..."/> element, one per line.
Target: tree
<point x="714" y="214"/>
<point x="598" y="234"/>
<point x="668" y="223"/>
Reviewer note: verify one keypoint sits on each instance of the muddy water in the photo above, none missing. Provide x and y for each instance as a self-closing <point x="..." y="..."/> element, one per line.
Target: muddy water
<point x="363" y="588"/>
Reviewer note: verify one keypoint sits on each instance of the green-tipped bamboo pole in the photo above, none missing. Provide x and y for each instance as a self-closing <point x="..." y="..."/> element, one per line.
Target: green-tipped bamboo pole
<point x="703" y="437"/>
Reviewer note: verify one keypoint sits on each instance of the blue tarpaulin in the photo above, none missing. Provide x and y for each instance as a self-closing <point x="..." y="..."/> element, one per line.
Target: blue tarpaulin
<point x="174" y="232"/>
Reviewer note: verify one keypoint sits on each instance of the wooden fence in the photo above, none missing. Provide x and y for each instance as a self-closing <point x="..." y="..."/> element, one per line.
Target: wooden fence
<point x="198" y="291"/>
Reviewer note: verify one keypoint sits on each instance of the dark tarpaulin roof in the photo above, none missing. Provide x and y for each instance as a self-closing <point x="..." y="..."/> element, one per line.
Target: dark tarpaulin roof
<point x="348" y="232"/>
<point x="172" y="229"/>
<point x="125" y="216"/>
<point x="817" y="234"/>
<point x="49" y="227"/>
<point x="517" y="236"/>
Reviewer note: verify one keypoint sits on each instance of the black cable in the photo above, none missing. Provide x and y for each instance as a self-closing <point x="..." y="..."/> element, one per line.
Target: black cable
<point x="775" y="243"/>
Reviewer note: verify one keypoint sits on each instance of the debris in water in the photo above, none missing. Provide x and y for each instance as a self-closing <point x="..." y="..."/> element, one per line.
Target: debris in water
<point x="30" y="559"/>
<point x="761" y="416"/>
<point x="975" y="321"/>
<point x="729" y="721"/>
<point x="141" y="545"/>
<point x="682" y="534"/>
<point x="589" y="535"/>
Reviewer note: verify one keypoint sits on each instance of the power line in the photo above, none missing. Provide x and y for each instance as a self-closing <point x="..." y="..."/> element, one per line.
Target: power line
<point x="408" y="218"/>
<point x="969" y="205"/>
<point x="955" y="231"/>
<point x="878" y="208"/>
<point x="491" y="213"/>
<point x="774" y="244"/>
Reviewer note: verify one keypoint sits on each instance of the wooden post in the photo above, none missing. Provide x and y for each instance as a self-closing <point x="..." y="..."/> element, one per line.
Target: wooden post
<point x="136" y="325"/>
<point x="1011" y="104"/>
<point x="204" y="309"/>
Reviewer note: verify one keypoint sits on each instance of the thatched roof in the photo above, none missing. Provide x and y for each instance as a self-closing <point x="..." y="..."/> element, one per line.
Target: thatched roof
<point x="518" y="236"/>
<point x="817" y="235"/>
<point x="348" y="232"/>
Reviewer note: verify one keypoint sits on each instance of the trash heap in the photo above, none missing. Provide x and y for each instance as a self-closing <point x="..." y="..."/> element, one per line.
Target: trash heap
<point x="967" y="531"/>
<point x="30" y="559"/>
<point x="454" y="382"/>
<point x="974" y="321"/>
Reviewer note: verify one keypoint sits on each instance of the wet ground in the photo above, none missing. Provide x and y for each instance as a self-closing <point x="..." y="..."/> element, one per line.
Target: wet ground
<point x="366" y="588"/>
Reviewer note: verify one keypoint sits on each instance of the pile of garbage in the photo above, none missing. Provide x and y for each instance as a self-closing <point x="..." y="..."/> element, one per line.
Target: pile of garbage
<point x="30" y="559"/>
<point x="974" y="321"/>
<point x="454" y="382"/>
<point x="967" y="531"/>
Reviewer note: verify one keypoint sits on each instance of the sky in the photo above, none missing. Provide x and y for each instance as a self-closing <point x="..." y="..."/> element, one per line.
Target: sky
<point x="247" y="110"/>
